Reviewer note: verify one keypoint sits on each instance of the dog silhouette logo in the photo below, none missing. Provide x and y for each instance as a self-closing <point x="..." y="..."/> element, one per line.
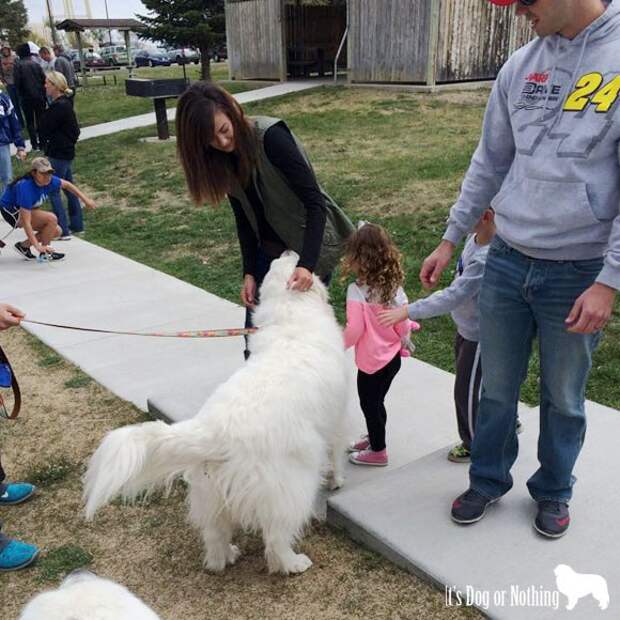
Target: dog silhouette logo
<point x="575" y="585"/>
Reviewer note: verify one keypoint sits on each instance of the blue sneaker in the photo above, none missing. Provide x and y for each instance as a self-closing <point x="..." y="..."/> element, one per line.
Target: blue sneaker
<point x="16" y="493"/>
<point x="17" y="555"/>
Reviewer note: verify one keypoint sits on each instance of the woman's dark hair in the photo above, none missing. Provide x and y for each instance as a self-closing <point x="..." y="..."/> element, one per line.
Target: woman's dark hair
<point x="210" y="173"/>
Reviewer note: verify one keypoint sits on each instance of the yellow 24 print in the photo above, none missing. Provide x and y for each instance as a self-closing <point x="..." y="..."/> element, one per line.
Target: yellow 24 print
<point x="588" y="90"/>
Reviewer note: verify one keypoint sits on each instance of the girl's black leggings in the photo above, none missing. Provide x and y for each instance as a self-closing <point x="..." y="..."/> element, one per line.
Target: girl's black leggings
<point x="372" y="390"/>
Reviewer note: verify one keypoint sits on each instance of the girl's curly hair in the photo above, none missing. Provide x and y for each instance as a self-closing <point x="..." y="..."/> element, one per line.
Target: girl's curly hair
<point x="371" y="255"/>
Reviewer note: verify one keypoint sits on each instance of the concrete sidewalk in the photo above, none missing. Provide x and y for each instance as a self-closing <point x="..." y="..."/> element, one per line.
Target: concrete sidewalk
<point x="144" y="120"/>
<point x="93" y="287"/>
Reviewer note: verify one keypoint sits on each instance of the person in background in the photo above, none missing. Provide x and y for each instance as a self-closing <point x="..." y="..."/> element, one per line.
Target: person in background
<point x="10" y="133"/>
<point x="59" y="131"/>
<point x="30" y="83"/>
<point x="20" y="207"/>
<point x="14" y="554"/>
<point x="47" y="60"/>
<point x="64" y="65"/>
<point x="8" y="59"/>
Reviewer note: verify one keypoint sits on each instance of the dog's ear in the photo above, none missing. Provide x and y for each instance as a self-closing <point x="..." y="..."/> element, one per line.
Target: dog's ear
<point x="290" y="254"/>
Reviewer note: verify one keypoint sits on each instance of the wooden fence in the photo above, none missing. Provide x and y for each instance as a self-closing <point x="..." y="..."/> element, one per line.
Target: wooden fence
<point x="388" y="40"/>
<point x="475" y="38"/>
<point x="430" y="41"/>
<point x="255" y="39"/>
<point x="392" y="41"/>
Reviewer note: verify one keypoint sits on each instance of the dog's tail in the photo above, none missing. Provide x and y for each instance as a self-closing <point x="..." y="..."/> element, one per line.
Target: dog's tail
<point x="139" y="458"/>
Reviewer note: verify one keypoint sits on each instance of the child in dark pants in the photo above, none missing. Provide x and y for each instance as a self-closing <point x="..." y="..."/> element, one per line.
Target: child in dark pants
<point x="373" y="258"/>
<point x="461" y="300"/>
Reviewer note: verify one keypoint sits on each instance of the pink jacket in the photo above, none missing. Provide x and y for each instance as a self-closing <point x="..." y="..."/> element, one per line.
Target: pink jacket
<point x="375" y="345"/>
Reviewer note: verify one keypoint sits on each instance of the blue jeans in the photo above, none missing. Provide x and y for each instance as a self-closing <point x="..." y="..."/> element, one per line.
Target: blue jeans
<point x="6" y="169"/>
<point x="62" y="168"/>
<point x="522" y="297"/>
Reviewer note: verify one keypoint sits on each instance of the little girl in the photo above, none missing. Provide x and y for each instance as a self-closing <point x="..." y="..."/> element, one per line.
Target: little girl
<point x="373" y="258"/>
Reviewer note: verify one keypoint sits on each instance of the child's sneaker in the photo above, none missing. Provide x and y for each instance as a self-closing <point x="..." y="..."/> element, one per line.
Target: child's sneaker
<point x="17" y="555"/>
<point x="363" y="443"/>
<point x="459" y="454"/>
<point x="369" y="457"/>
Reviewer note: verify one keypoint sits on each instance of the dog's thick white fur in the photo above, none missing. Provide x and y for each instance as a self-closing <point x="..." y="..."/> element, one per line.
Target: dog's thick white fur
<point x="84" y="596"/>
<point x="577" y="585"/>
<point x="254" y="455"/>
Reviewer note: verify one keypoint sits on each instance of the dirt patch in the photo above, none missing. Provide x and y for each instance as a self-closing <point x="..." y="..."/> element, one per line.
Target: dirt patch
<point x="104" y="199"/>
<point x="465" y="97"/>
<point x="414" y="197"/>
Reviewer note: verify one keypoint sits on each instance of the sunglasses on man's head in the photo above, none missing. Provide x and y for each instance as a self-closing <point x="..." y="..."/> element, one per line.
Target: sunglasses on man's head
<point x="527" y="2"/>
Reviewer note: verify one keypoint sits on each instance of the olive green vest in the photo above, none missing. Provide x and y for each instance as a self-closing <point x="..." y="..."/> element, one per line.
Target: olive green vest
<point x="285" y="212"/>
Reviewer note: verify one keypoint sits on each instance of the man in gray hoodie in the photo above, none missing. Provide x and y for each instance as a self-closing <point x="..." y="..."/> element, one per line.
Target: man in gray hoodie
<point x="548" y="163"/>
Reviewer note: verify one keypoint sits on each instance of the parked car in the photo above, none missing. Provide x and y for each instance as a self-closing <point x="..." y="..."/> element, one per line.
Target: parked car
<point x="184" y="56"/>
<point x="115" y="55"/>
<point x="151" y="58"/>
<point x="92" y="60"/>
<point x="219" y="52"/>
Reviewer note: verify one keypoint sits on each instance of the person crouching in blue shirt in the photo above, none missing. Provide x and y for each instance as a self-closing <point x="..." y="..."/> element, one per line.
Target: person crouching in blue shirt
<point x="20" y="207"/>
<point x="10" y="133"/>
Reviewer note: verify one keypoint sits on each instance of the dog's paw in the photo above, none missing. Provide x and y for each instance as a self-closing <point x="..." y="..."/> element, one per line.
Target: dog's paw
<point x="298" y="563"/>
<point x="335" y="482"/>
<point x="233" y="554"/>
<point x="215" y="565"/>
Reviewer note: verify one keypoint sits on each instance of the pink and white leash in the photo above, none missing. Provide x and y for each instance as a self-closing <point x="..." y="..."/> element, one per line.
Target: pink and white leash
<point x="198" y="333"/>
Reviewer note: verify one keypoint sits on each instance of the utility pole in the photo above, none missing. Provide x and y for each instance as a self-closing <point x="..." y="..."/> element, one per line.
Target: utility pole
<point x="52" y="25"/>
<point x="108" y="18"/>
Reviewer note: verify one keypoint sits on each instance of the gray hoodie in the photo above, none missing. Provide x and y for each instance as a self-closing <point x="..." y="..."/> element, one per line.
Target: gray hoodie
<point x="548" y="160"/>
<point x="461" y="297"/>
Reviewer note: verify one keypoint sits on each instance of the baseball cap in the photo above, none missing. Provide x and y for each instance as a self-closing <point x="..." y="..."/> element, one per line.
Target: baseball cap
<point x="503" y="2"/>
<point x="41" y="164"/>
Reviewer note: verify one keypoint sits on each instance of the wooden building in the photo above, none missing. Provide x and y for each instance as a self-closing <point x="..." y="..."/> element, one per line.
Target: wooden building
<point x="392" y="41"/>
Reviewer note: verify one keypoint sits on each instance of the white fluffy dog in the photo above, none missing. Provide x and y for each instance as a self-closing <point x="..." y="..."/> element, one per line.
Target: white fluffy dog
<point x="254" y="454"/>
<point x="577" y="585"/>
<point x="84" y="596"/>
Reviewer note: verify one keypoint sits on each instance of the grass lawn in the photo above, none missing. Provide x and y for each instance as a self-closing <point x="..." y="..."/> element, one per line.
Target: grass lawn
<point x="149" y="547"/>
<point x="393" y="158"/>
<point x="99" y="104"/>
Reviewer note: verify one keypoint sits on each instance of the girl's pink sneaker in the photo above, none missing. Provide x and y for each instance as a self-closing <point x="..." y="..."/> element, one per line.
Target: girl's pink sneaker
<point x="369" y="457"/>
<point x="361" y="444"/>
